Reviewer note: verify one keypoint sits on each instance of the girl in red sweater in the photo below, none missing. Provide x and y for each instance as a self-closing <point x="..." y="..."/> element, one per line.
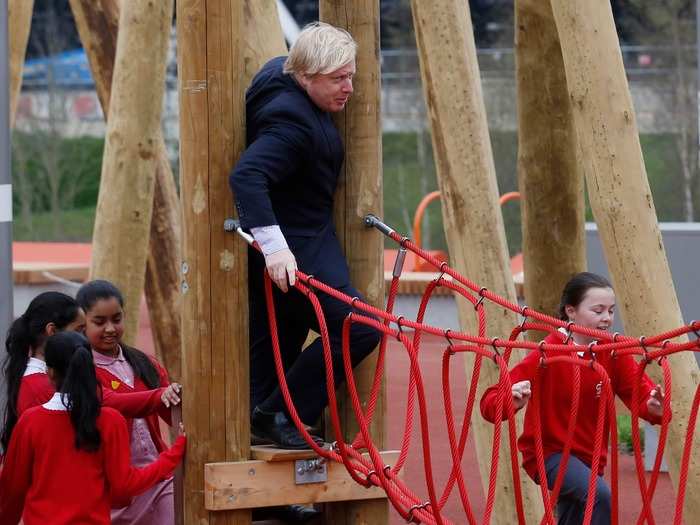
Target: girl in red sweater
<point x="589" y="301"/>
<point x="123" y="369"/>
<point x="28" y="385"/>
<point x="69" y="457"/>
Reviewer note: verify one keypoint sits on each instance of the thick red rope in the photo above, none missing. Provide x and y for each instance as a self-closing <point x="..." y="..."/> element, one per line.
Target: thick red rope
<point x="371" y="471"/>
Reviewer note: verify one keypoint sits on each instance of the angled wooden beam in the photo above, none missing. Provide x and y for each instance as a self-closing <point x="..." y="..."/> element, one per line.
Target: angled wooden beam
<point x="623" y="205"/>
<point x="98" y="25"/>
<point x="472" y="216"/>
<point x="125" y="202"/>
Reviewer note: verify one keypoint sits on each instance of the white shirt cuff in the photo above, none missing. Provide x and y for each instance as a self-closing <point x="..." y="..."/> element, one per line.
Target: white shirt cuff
<point x="269" y="238"/>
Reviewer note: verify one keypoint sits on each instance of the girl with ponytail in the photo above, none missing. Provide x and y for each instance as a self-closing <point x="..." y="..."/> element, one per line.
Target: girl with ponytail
<point x="28" y="385"/>
<point x="68" y="458"/>
<point x="121" y="368"/>
<point x="24" y="367"/>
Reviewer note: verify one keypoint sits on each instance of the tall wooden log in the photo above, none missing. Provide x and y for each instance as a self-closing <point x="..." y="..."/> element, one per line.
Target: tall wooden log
<point x="19" y="15"/>
<point x="472" y="218"/>
<point x="622" y="203"/>
<point x="549" y="177"/>
<point x="360" y="193"/>
<point x="214" y="278"/>
<point x="125" y="201"/>
<point x="98" y="25"/>
<point x="263" y="36"/>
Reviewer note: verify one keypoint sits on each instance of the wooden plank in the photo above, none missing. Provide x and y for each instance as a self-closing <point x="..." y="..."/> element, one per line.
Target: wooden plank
<point x="623" y="206"/>
<point x="272" y="453"/>
<point x="361" y="192"/>
<point x="469" y="196"/>
<point x="248" y="484"/>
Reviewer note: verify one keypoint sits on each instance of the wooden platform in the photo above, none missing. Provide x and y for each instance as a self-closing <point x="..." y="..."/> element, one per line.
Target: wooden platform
<point x="260" y="483"/>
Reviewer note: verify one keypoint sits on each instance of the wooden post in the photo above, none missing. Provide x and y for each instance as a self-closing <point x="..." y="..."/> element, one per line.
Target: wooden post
<point x="20" y="21"/>
<point x="214" y="274"/>
<point x="263" y="36"/>
<point x="622" y="203"/>
<point x="549" y="177"/>
<point x="360" y="193"/>
<point x="472" y="217"/>
<point x="125" y="201"/>
<point x="98" y="25"/>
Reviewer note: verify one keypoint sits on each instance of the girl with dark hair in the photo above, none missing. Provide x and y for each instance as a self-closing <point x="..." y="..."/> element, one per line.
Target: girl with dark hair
<point x="588" y="301"/>
<point x="24" y="367"/>
<point x="69" y="457"/>
<point x="123" y="369"/>
<point x="28" y="385"/>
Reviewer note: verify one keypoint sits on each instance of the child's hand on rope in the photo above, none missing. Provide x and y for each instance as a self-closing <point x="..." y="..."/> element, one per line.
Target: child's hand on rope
<point x="170" y="395"/>
<point x="656" y="401"/>
<point x="521" y="394"/>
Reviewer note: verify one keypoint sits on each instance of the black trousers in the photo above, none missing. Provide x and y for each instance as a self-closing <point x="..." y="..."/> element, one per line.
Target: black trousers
<point x="571" y="505"/>
<point x="304" y="371"/>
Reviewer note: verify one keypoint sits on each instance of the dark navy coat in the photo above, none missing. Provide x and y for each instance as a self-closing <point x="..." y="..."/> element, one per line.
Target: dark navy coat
<point x="289" y="172"/>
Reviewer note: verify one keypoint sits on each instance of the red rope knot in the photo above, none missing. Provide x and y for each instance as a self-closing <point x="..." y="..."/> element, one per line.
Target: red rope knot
<point x="663" y="347"/>
<point x="450" y="344"/>
<point x="481" y="297"/>
<point x="643" y="346"/>
<point x="543" y="357"/>
<point x="399" y="327"/>
<point x="695" y="326"/>
<point x="410" y="518"/>
<point x="368" y="483"/>
<point x="496" y="352"/>
<point x="569" y="332"/>
<point x="403" y="241"/>
<point x="443" y="269"/>
<point x="523" y="313"/>
<point x="592" y="353"/>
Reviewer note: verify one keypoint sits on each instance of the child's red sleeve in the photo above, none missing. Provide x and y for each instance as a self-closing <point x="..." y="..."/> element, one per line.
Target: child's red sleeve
<point x="36" y="389"/>
<point x="133" y="404"/>
<point x="522" y="371"/>
<point x="16" y="474"/>
<point x="625" y="369"/>
<point x="126" y="481"/>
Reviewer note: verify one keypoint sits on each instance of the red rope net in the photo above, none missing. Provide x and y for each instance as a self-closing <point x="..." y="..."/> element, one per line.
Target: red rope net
<point x="369" y="470"/>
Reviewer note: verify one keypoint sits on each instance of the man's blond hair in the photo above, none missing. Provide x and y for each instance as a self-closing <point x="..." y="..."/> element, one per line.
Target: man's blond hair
<point x="320" y="48"/>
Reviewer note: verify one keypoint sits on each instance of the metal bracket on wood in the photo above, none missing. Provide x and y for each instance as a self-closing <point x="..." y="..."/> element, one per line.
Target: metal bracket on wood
<point x="310" y="471"/>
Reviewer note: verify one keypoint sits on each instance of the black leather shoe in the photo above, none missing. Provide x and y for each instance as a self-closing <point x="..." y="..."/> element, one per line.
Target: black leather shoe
<point x="277" y="428"/>
<point x="286" y="514"/>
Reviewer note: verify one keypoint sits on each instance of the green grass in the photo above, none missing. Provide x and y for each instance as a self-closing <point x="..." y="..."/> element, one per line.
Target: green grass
<point x="409" y="174"/>
<point x="69" y="226"/>
<point x="624" y="433"/>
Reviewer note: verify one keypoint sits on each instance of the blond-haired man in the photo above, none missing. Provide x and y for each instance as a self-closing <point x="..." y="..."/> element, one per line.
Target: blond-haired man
<point x="284" y="185"/>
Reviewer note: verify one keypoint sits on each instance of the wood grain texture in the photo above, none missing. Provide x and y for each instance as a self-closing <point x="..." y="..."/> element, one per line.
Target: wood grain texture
<point x="622" y="203"/>
<point x="471" y="214"/>
<point x="98" y="27"/>
<point x="361" y="192"/>
<point x="125" y="202"/>
<point x="550" y="178"/>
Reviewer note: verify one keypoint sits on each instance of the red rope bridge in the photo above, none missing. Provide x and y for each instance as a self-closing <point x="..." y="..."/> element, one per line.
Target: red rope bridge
<point x="371" y="471"/>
